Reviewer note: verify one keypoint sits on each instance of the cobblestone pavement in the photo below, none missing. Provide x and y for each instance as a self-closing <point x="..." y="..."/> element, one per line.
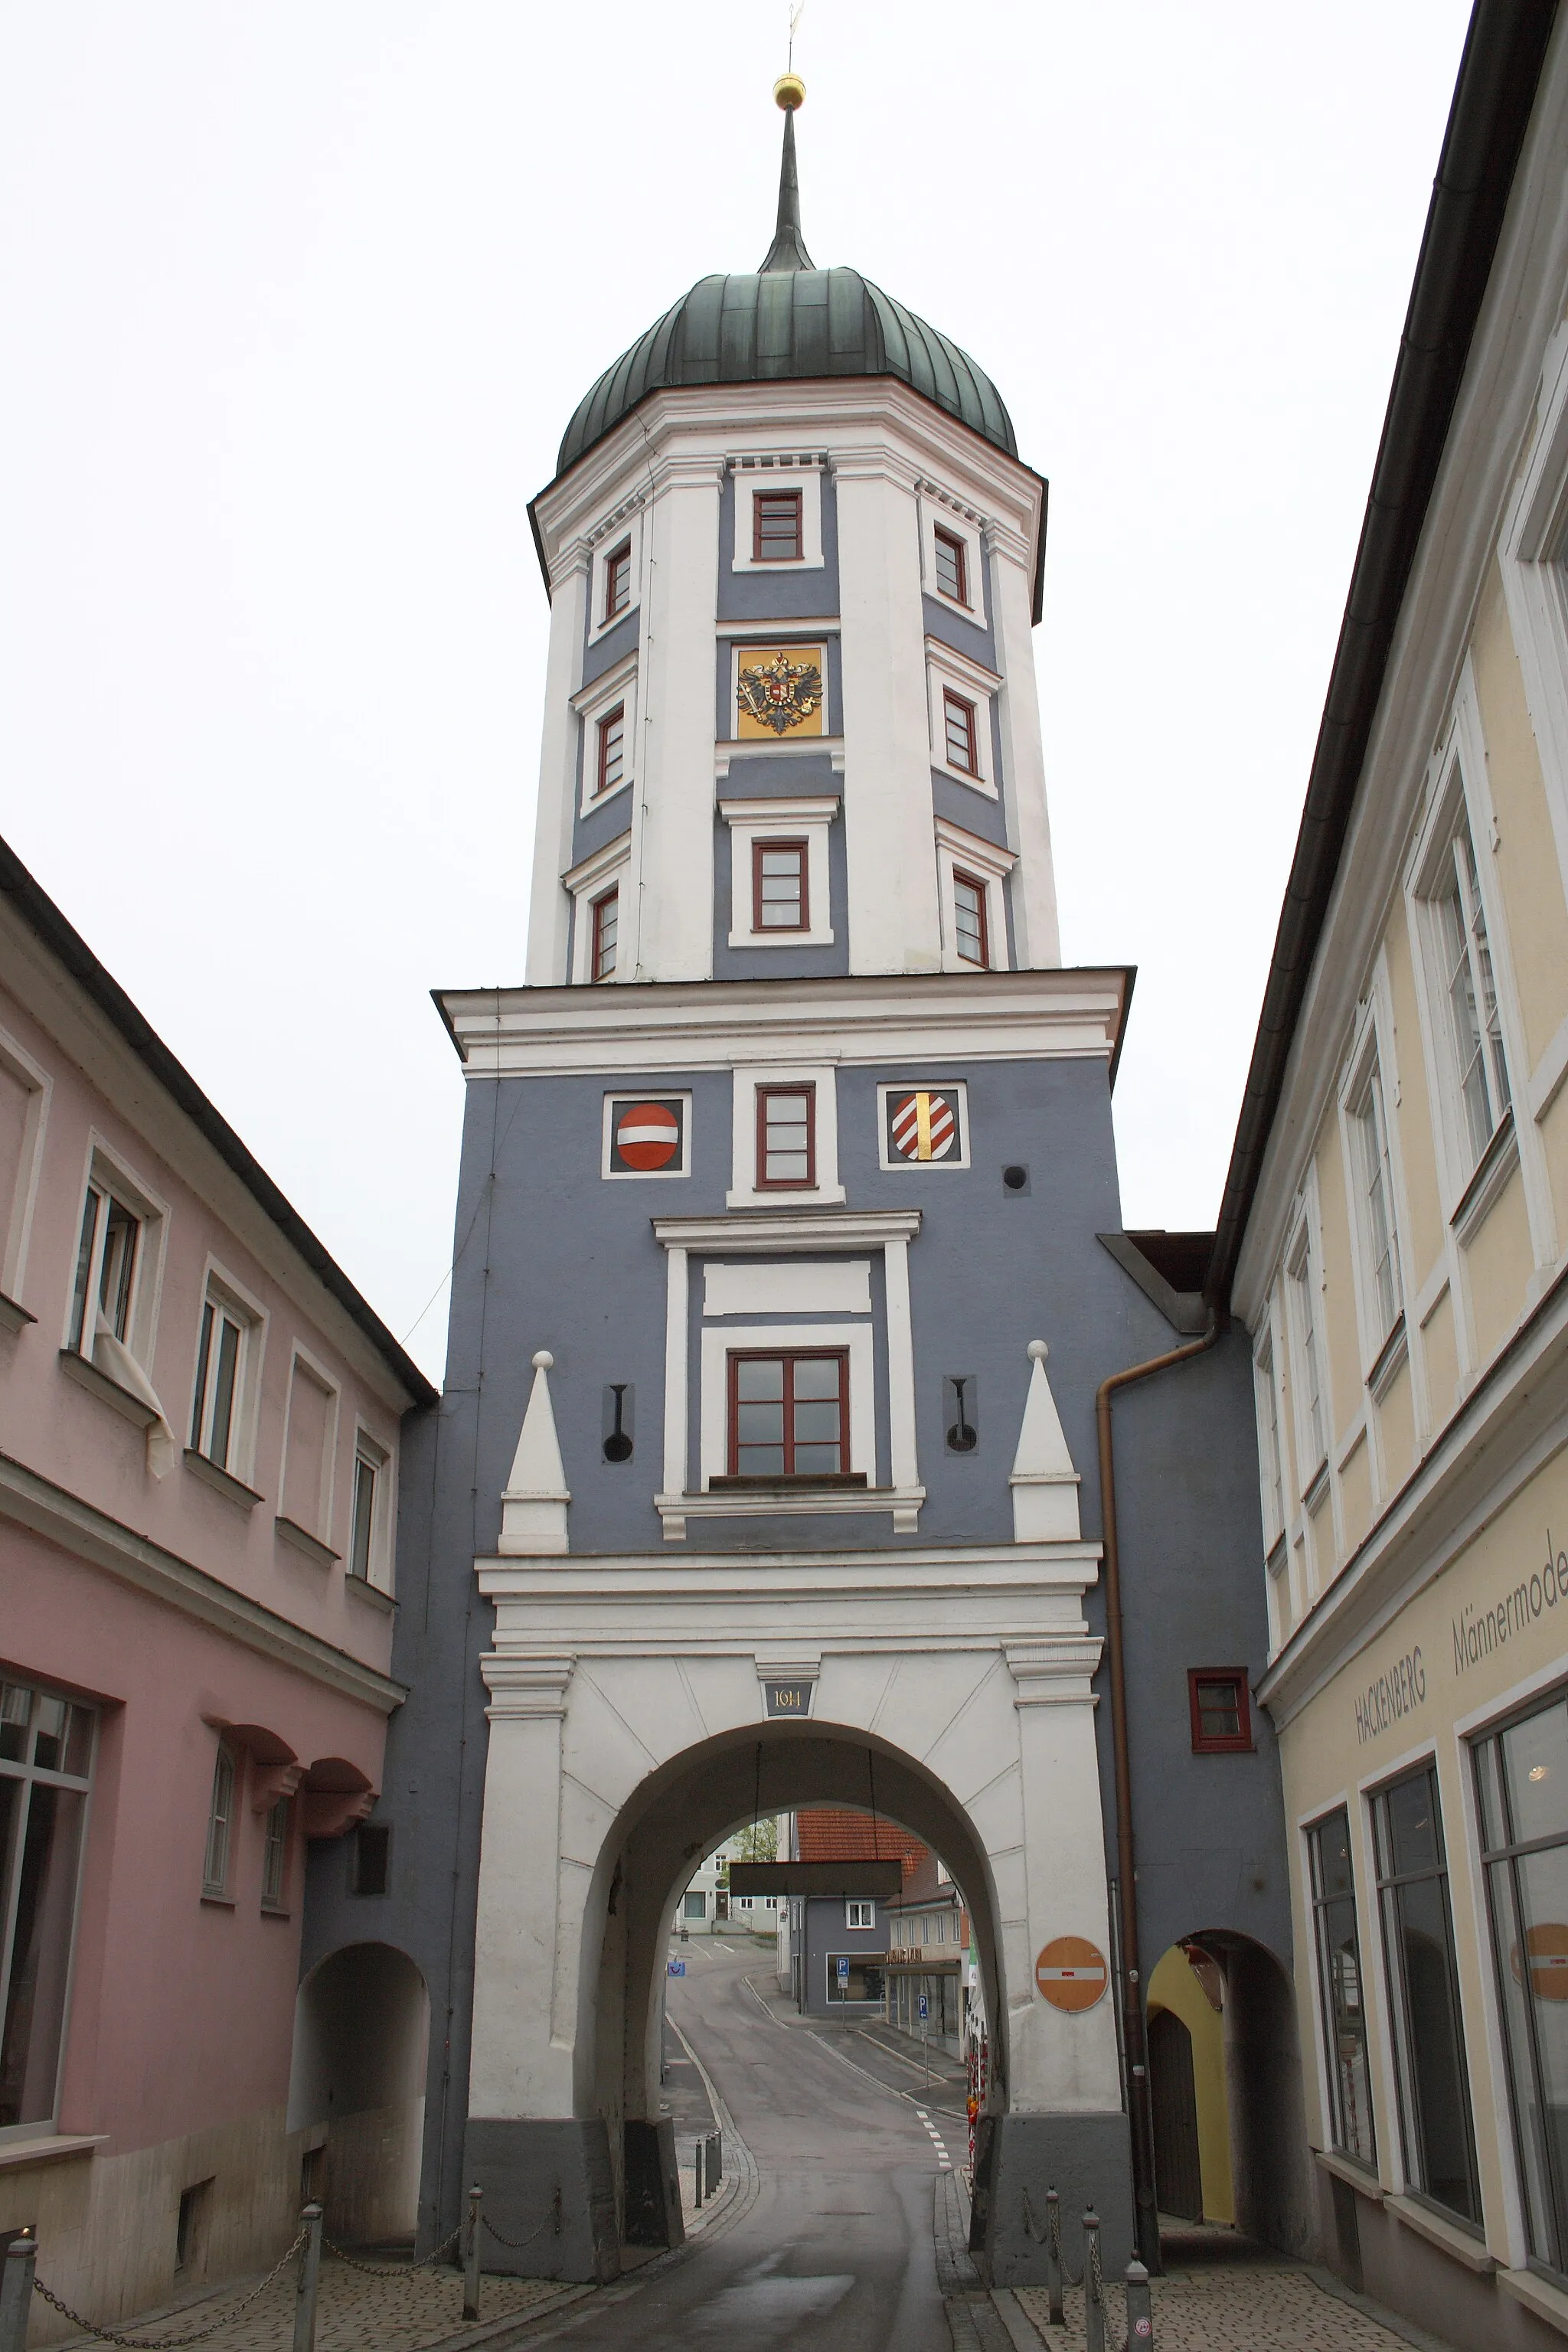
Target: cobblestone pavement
<point x="1226" y="2306"/>
<point x="410" y="2311"/>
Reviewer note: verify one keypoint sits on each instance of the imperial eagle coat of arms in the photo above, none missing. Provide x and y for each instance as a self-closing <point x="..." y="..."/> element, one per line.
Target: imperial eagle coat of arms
<point x="780" y="693"/>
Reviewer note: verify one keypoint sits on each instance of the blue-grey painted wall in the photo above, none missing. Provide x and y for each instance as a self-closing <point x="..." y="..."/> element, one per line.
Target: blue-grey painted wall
<point x="779" y="594"/>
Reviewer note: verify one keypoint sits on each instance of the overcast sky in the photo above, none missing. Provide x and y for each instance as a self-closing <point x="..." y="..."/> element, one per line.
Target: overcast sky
<point x="298" y="296"/>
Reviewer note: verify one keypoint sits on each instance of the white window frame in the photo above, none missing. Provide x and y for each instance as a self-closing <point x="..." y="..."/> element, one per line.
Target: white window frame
<point x="946" y="669"/>
<point x="859" y="1903"/>
<point x="216" y="1882"/>
<point x="938" y="512"/>
<point x="1534" y="565"/>
<point x="315" y="1370"/>
<point x="608" y="869"/>
<point x="106" y="1170"/>
<point x="228" y="1297"/>
<point x="752" y="821"/>
<point x="17" y="1215"/>
<point x="956" y="849"/>
<point x="625" y="524"/>
<point x="745" y="1190"/>
<point x="1303" y="1271"/>
<point x="721" y="1341"/>
<point x="769" y="472"/>
<point x="1365" y="1094"/>
<point x="381" y="1458"/>
<point x="595" y="703"/>
<point x="1272" y="1464"/>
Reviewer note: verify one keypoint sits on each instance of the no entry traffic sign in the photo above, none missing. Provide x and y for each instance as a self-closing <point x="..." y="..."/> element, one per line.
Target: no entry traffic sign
<point x="1071" y="1972"/>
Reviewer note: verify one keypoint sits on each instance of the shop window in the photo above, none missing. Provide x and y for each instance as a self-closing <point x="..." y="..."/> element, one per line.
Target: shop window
<point x="695" y="1906"/>
<point x="1521" y="1775"/>
<point x="789" y="1416"/>
<point x="1218" y="1701"/>
<point x="1430" y="2065"/>
<point x="852" y="1977"/>
<point x="46" y="1757"/>
<point x="1340" y="1988"/>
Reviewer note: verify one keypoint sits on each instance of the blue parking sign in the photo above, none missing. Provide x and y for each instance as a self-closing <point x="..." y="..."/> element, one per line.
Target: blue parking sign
<point x="844" y="1971"/>
<point x="925" y="2006"/>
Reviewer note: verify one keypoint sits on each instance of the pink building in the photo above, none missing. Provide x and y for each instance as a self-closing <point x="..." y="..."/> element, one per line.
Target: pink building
<point x="199" y="1435"/>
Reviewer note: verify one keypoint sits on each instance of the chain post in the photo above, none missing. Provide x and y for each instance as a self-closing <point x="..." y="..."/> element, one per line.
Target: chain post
<point x="1140" y="2311"/>
<point x="16" y="2292"/>
<point x="1093" y="2287"/>
<point x="471" y="2256"/>
<point x="696" y="2175"/>
<point x="308" y="2280"/>
<point x="1054" y="2256"/>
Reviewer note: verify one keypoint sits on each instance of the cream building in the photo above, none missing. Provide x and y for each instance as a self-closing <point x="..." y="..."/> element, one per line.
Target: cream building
<point x="1395" y="1239"/>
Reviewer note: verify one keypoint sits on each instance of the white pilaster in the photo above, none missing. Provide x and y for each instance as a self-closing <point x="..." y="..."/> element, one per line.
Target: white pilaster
<point x="676" y="1349"/>
<point x="1036" y="932"/>
<point x="550" y="915"/>
<point x="903" y="1461"/>
<point x="889" y="830"/>
<point x="516" y="2067"/>
<point x="670" y="890"/>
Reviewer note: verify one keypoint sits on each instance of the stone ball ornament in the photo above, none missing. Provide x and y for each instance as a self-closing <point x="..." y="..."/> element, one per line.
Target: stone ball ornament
<point x="543" y="1361"/>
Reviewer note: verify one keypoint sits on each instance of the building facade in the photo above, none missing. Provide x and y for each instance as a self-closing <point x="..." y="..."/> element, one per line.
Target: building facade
<point x="1393" y="1239"/>
<point x="764" y="1475"/>
<point x="198" y="1490"/>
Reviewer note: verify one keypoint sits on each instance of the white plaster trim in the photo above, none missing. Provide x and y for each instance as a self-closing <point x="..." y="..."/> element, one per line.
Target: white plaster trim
<point x="753" y="821"/>
<point x="719" y="1345"/>
<point x="730" y="751"/>
<point x="804" y="1229"/>
<point x="677" y="1311"/>
<point x="990" y="866"/>
<point x="833" y="1287"/>
<point x="606" y="868"/>
<point x="781" y="472"/>
<point x="65" y="1519"/>
<point x="901" y="1504"/>
<point x="744" y="1191"/>
<point x="947" y="667"/>
<point x="16" y="1214"/>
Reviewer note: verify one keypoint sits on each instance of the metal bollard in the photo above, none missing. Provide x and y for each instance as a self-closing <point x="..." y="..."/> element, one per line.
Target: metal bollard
<point x="1093" y="2287"/>
<point x="1054" y="2256"/>
<point x="305" y="2285"/>
<point x="16" y="2292"/>
<point x="696" y="2174"/>
<point x="471" y="2256"/>
<point x="1140" y="2312"/>
<point x="713" y="2162"/>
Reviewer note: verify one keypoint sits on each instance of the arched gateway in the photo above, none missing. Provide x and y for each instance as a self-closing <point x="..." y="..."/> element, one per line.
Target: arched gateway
<point x="779" y="1175"/>
<point x="953" y="1692"/>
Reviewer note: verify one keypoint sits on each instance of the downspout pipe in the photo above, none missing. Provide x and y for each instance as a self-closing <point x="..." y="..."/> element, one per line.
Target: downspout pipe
<point x="1140" y="2111"/>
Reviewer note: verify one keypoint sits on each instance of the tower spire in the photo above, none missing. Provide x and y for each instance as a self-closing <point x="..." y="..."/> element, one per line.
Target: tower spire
<point x="787" y="250"/>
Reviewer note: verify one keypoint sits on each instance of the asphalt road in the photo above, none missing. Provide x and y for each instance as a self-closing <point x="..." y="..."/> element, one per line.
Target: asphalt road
<point x="830" y="2248"/>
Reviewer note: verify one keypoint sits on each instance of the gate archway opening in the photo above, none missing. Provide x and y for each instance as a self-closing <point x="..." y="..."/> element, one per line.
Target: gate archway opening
<point x="356" y="2090"/>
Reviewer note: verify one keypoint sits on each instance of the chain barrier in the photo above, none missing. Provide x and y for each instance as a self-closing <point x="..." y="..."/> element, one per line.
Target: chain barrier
<point x="1096" y="2274"/>
<point x="170" y="2343"/>
<point x="1051" y="2234"/>
<point x="393" y="2270"/>
<point x="515" y="2245"/>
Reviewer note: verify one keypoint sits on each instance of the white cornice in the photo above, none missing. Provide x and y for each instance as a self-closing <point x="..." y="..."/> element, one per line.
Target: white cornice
<point x="743" y="1232"/>
<point x="1494" y="414"/>
<point x="859" y="1020"/>
<point x="36" y="1502"/>
<point x="986" y="855"/>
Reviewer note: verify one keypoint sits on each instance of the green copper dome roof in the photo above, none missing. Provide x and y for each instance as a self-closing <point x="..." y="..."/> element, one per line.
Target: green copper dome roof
<point x="789" y="320"/>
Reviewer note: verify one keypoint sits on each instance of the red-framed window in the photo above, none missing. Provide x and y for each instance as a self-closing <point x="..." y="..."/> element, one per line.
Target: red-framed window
<point x="786" y="1138"/>
<point x="969" y="926"/>
<point x="617" y="580"/>
<point x="1221" y="1710"/>
<point x="606" y="923"/>
<point x="958" y="730"/>
<point x="610" y="750"/>
<point x="780" y="891"/>
<point x="789" y="1415"/>
<point x="952" y="567"/>
<point x="776" y="527"/>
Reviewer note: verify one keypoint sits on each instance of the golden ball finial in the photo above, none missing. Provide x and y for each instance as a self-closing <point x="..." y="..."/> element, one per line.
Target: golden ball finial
<point x="789" y="91"/>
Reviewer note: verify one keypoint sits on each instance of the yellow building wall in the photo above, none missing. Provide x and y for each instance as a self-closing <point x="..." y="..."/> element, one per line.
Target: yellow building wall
<point x="1397" y="1430"/>
<point x="1441" y="1342"/>
<point x="1355" y="1496"/>
<point x="1173" y="1986"/>
<point x="1500" y="1263"/>
<point x="1554" y="1141"/>
<point x="1526" y="847"/>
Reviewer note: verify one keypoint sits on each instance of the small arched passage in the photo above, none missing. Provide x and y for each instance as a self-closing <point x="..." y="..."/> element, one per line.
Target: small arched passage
<point x="356" y="2089"/>
<point x="1271" y="2191"/>
<point x="673" y="1818"/>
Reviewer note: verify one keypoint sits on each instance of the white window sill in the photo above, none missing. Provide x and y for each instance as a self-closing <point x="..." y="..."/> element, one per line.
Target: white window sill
<point x="308" y="1546"/>
<point x="904" y="1502"/>
<point x="1451" y="2236"/>
<point x="218" y="1902"/>
<point x="1487" y="1184"/>
<point x="87" y="1375"/>
<point x="1537" y="2295"/>
<point x="14" y="1316"/>
<point x="222" y="1482"/>
<point x="811" y="938"/>
<point x="48" y="2148"/>
<point x="792" y="1196"/>
<point x="370" y="1593"/>
<point x="1344" y="2168"/>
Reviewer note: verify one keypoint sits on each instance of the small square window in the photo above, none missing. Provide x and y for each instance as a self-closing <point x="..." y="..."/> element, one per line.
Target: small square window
<point x="786" y="1138"/>
<point x="606" y="923"/>
<point x="952" y="567"/>
<point x="1221" y="1716"/>
<point x="776" y="527"/>
<point x="619" y="580"/>
<point x="609" y="764"/>
<point x="860" y="1914"/>
<point x="958" y="732"/>
<point x="780" y="897"/>
<point x="969" y="919"/>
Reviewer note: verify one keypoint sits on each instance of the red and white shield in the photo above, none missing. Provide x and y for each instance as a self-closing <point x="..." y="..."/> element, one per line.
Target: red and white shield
<point x="647" y="1135"/>
<point x="922" y="1126"/>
